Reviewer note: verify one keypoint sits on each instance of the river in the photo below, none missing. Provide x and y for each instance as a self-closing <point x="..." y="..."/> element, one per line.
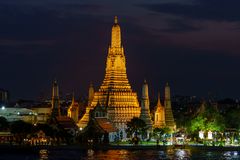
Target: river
<point x="123" y="154"/>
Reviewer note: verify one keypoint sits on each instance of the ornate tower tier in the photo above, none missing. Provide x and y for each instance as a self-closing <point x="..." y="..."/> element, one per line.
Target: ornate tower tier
<point x="115" y="92"/>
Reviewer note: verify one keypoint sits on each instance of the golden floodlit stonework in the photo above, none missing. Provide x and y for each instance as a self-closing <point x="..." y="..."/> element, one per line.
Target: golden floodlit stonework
<point x="115" y="92"/>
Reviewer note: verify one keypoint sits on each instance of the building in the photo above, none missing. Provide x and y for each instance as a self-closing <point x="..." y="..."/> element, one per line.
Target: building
<point x="15" y="114"/>
<point x="169" y="120"/>
<point x="159" y="115"/>
<point x="100" y="129"/>
<point x="115" y="90"/>
<point x="145" y="111"/>
<point x="43" y="112"/>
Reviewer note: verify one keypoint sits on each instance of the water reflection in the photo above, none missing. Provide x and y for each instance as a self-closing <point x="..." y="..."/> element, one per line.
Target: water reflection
<point x="182" y="154"/>
<point x="230" y="155"/>
<point x="122" y="154"/>
<point x="138" y="154"/>
<point x="43" y="154"/>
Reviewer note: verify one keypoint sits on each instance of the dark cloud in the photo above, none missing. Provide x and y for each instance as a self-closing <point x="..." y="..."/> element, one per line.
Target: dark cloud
<point x="179" y="25"/>
<point x="219" y="10"/>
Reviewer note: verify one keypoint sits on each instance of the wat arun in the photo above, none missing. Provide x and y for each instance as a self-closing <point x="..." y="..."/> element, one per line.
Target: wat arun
<point x="115" y="92"/>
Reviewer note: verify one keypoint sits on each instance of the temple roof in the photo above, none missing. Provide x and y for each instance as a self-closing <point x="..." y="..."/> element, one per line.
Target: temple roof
<point x="105" y="125"/>
<point x="66" y="122"/>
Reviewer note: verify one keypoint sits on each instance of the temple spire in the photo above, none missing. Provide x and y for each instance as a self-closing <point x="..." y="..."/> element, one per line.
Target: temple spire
<point x="55" y="100"/>
<point x="116" y="34"/>
<point x="115" y="20"/>
<point x="115" y="93"/>
<point x="73" y="98"/>
<point x="145" y="111"/>
<point x="168" y="109"/>
<point x="158" y="101"/>
<point x="90" y="94"/>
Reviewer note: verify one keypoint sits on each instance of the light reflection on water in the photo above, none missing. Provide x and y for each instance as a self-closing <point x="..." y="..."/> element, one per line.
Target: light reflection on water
<point x="179" y="154"/>
<point x="43" y="154"/>
<point x="122" y="154"/>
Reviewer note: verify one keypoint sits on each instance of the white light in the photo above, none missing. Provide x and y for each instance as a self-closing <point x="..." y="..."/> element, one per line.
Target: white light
<point x="210" y="135"/>
<point x="3" y="107"/>
<point x="80" y="129"/>
<point x="18" y="113"/>
<point x="181" y="154"/>
<point x="201" y="134"/>
<point x="30" y="113"/>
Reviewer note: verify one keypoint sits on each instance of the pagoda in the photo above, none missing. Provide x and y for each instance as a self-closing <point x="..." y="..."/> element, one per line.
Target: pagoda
<point x="159" y="115"/>
<point x="145" y="111"/>
<point x="115" y="92"/>
<point x="55" y="100"/>
<point x="169" y="119"/>
<point x="73" y="110"/>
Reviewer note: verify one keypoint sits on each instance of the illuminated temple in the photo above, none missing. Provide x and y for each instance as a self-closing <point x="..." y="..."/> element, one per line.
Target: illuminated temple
<point x="115" y="92"/>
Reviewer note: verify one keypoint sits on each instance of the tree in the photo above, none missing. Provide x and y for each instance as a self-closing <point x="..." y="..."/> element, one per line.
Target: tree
<point x="233" y="118"/>
<point x="209" y="120"/>
<point x="198" y="123"/>
<point x="21" y="129"/>
<point x="4" y="125"/>
<point x="46" y="128"/>
<point x="136" y="127"/>
<point x="159" y="133"/>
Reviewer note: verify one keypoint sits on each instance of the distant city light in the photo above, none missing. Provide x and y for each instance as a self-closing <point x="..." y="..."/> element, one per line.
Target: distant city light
<point x="3" y="108"/>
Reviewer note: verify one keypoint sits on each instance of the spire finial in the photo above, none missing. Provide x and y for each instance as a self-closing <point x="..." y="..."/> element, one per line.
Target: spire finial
<point x="73" y="98"/>
<point x="91" y="84"/>
<point x="115" y="20"/>
<point x="159" y="101"/>
<point x="145" y="81"/>
<point x="55" y="81"/>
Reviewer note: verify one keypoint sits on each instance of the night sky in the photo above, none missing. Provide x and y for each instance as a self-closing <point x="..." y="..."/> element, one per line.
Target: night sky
<point x="192" y="44"/>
